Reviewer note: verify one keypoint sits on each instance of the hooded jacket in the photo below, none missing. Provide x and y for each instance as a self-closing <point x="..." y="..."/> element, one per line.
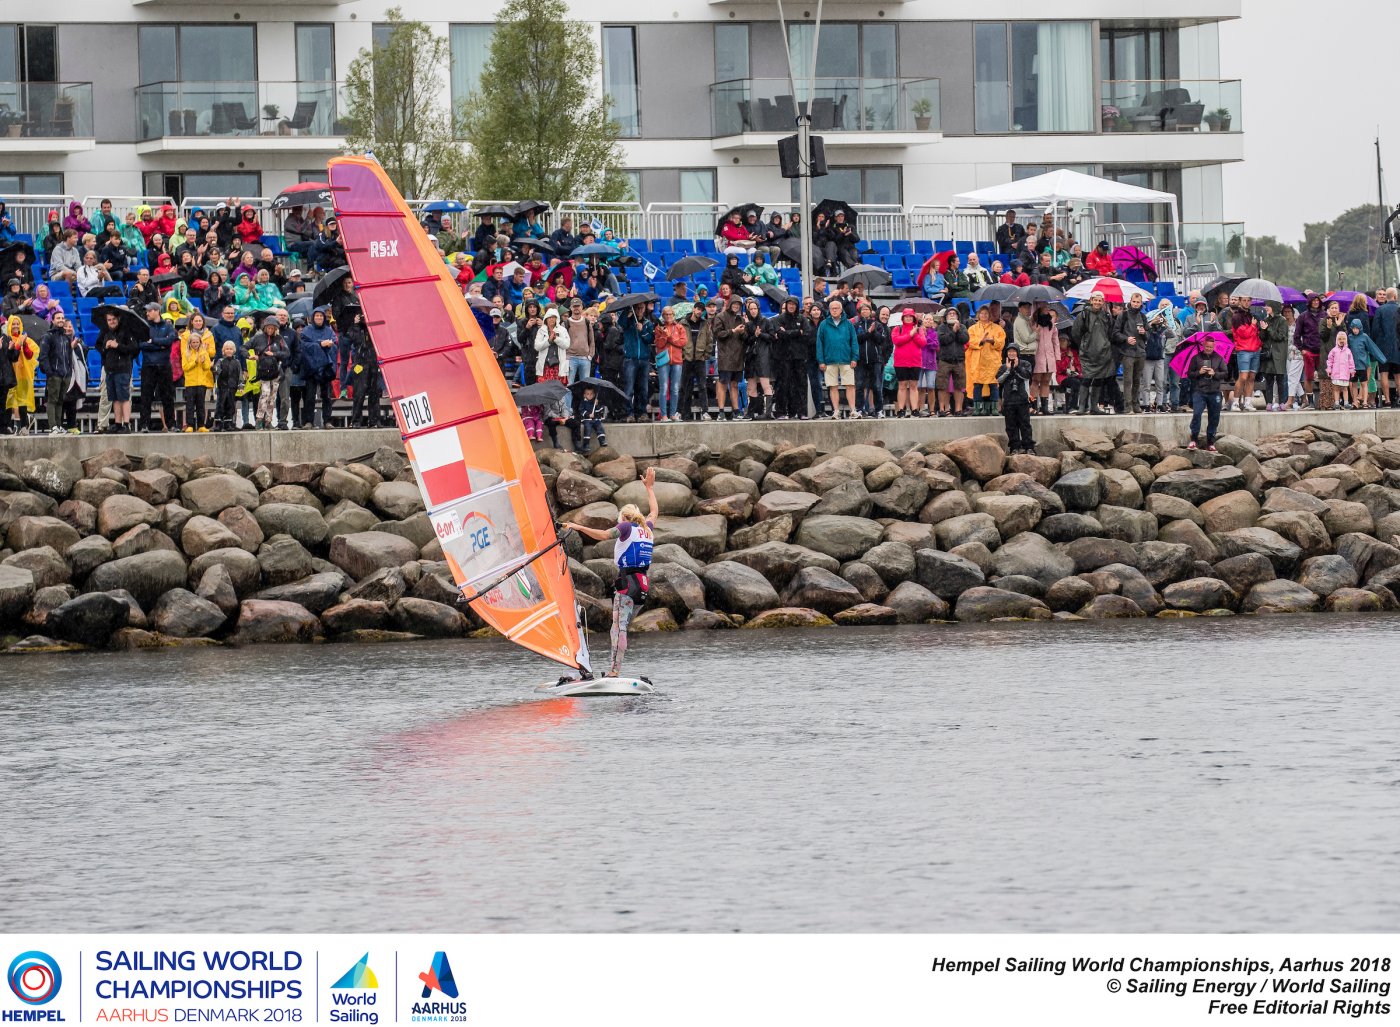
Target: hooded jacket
<point x="1274" y="339"/>
<point x="1385" y="331"/>
<point x="1093" y="336"/>
<point x="558" y="337"/>
<point x="1340" y="365"/>
<point x="316" y="348"/>
<point x="1364" y="351"/>
<point x="985" y="340"/>
<point x="75" y="219"/>
<point x="1305" y="329"/>
<point x="637" y="335"/>
<point x="197" y="358"/>
<point x="731" y="333"/>
<point x="788" y="336"/>
<point x="7" y="228"/>
<point x="155" y="352"/>
<point x="24" y="354"/>
<point x="952" y="344"/>
<point x="56" y="354"/>
<point x="875" y="341"/>
<point x="836" y="342"/>
<point x="908" y="339"/>
<point x="118" y="359"/>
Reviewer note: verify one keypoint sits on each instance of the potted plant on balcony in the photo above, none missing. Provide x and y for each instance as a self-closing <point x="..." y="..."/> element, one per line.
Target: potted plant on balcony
<point x="1109" y="114"/>
<point x="12" y="121"/>
<point x="270" y="113"/>
<point x="1219" y="119"/>
<point x="922" y="109"/>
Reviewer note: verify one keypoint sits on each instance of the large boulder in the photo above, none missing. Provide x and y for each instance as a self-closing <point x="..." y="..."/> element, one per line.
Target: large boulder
<point x="676" y="588"/>
<point x="977" y="456"/>
<point x="1081" y="490"/>
<point x="182" y="614"/>
<point x="1110" y="607"/>
<point x="362" y="553"/>
<point x="901" y="498"/>
<point x="1069" y="594"/>
<point x="31" y="532"/>
<point x="1304" y="530"/>
<point x="1368" y="555"/>
<point x="399" y="499"/>
<point x="1162" y="563"/>
<point x="1032" y="556"/>
<point x="840" y="537"/>
<point x="946" y="575"/>
<point x="1286" y="500"/>
<point x="44" y="563"/>
<point x="819" y="589"/>
<point x="703" y="537"/>
<point x="1343" y="517"/>
<point x="244" y="526"/>
<point x="734" y="588"/>
<point x="90" y="619"/>
<point x="386" y="585"/>
<point x="1011" y="514"/>
<point x="672" y="500"/>
<point x="282" y="560"/>
<point x="120" y="513"/>
<point x="793" y="459"/>
<point x="821" y="478"/>
<point x="984" y="603"/>
<point x="338" y="483"/>
<point x="87" y="553"/>
<point x="1087" y="440"/>
<point x="1233" y="510"/>
<point x="216" y="586"/>
<point x="778" y="561"/>
<point x="1200" y="594"/>
<point x="945" y="506"/>
<point x="780" y="502"/>
<point x="791" y="617"/>
<point x="1120" y="579"/>
<point x="16" y="593"/>
<point x="974" y="527"/>
<point x="867" y="615"/>
<point x="773" y="529"/>
<point x="356" y="615"/>
<point x="1120" y="488"/>
<point x="860" y="576"/>
<point x="914" y="604"/>
<point x="1199" y="485"/>
<point x="347" y="518"/>
<point x="1188" y="533"/>
<point x="726" y="484"/>
<point x="270" y="620"/>
<point x="1359" y="600"/>
<point x="849" y="499"/>
<point x="1245" y="571"/>
<point x="1280" y="596"/>
<point x="217" y="492"/>
<point x="147" y="576"/>
<point x="1283" y="554"/>
<point x="303" y="523"/>
<point x="241" y="565"/>
<point x="1127" y="524"/>
<point x="574" y="488"/>
<point x="1325" y="574"/>
<point x="202" y="534"/>
<point x="1170" y="508"/>
<point x="1089" y="554"/>
<point x="429" y="619"/>
<point x="892" y="561"/>
<point x="54" y="478"/>
<point x="298" y="495"/>
<point x="1066" y="527"/>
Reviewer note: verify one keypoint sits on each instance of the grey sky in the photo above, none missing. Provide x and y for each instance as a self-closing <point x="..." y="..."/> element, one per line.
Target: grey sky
<point x="1309" y="134"/>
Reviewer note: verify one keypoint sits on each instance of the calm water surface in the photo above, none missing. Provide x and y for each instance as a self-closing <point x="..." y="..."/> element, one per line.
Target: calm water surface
<point x="1135" y="776"/>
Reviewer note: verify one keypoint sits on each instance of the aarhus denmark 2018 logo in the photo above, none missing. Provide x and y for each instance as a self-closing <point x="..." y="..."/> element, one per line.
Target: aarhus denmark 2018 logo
<point x="438" y="977"/>
<point x="35" y="977"/>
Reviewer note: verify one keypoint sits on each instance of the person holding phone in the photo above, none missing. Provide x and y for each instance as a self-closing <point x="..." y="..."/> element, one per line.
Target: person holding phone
<point x="1207" y="373"/>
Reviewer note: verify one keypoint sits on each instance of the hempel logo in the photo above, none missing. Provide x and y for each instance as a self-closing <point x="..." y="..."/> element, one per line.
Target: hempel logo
<point x="384" y="248"/>
<point x="35" y="980"/>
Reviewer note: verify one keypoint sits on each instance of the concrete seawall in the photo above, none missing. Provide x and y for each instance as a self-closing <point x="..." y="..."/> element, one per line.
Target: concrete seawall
<point x="255" y="447"/>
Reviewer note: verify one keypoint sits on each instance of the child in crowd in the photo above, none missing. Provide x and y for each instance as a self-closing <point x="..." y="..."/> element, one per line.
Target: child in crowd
<point x="1340" y="368"/>
<point x="228" y="377"/>
<point x="591" y="413"/>
<point x="1014" y="380"/>
<point x="1068" y="373"/>
<point x="249" y="391"/>
<point x="269" y="370"/>
<point x="1366" y="356"/>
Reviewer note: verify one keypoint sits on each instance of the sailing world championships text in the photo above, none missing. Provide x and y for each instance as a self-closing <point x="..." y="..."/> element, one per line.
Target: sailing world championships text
<point x="257" y="972"/>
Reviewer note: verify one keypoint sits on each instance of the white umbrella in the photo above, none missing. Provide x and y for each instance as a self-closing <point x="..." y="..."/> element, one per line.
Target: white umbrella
<point x="1258" y="290"/>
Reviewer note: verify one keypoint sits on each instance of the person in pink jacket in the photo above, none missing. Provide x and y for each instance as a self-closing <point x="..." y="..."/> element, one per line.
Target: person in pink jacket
<point x="1047" y="358"/>
<point x="908" y="341"/>
<point x="1340" y="366"/>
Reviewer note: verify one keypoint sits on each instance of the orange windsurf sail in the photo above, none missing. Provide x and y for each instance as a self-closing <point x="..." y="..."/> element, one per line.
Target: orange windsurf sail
<point x="474" y="464"/>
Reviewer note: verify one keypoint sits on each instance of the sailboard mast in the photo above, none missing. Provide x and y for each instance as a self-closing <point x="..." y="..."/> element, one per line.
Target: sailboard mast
<point x="475" y="467"/>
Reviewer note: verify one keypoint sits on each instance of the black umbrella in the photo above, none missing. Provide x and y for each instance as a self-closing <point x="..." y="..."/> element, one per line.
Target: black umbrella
<point x="541" y="394"/>
<point x="1223" y="284"/>
<point x="528" y="206"/>
<point x="830" y="207"/>
<point x="303" y="305"/>
<point x="304" y="194"/>
<point x="130" y="321"/>
<point x="329" y="285"/>
<point x="918" y="304"/>
<point x="869" y="275"/>
<point x="775" y="294"/>
<point x="1039" y="294"/>
<point x="687" y="266"/>
<point x="743" y="210"/>
<point x="635" y="299"/>
<point x="9" y="257"/>
<point x="539" y="244"/>
<point x="996" y="291"/>
<point x="166" y="278"/>
<point x="601" y="384"/>
<point x="34" y="326"/>
<point x="792" y="250"/>
<point x="492" y="210"/>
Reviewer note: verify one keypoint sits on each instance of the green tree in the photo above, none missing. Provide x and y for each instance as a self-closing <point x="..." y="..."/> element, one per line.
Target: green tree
<point x="394" y="109"/>
<point x="535" y="126"/>
<point x="1358" y="257"/>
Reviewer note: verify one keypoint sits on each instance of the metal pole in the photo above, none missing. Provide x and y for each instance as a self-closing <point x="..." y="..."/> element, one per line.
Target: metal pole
<point x="1326" y="264"/>
<point x="804" y="143"/>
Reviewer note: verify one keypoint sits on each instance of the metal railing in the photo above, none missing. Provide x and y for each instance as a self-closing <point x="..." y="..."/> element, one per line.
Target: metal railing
<point x="46" y="110"/>
<point x="1170" y="105"/>
<point x="627" y="220"/>
<point x="224" y="109"/>
<point x="837" y="105"/>
<point x="29" y="215"/>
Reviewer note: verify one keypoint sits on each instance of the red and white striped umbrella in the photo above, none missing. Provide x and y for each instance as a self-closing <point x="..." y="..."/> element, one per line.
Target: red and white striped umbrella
<point x="1114" y="290"/>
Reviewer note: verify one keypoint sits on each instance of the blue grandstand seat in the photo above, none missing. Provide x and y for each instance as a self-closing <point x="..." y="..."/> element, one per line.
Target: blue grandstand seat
<point x="903" y="279"/>
<point x="880" y="245"/>
<point x="985" y="247"/>
<point x="942" y="245"/>
<point x="924" y="246"/>
<point x="963" y="248"/>
<point x="901" y="246"/>
<point x="273" y="243"/>
<point x="705" y="246"/>
<point x="684" y="246"/>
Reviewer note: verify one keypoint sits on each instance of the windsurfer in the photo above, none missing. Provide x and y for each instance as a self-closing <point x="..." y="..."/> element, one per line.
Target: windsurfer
<point x="632" y="554"/>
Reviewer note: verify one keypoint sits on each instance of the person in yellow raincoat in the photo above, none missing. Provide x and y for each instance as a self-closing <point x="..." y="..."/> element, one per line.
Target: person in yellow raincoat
<point x="197" y="358"/>
<point x="249" y="391"/>
<point x="985" y="340"/>
<point x="24" y="352"/>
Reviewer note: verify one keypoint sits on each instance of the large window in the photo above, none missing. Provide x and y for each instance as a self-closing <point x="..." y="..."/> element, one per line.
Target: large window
<point x="316" y="53"/>
<point x="39" y="184"/>
<point x="731" y="52"/>
<point x="1034" y="77"/>
<point x="198" y="53"/>
<point x="471" y="48"/>
<point x="1132" y="54"/>
<point x="846" y="51"/>
<point x="28" y="53"/>
<point x="208" y="184"/>
<point x="857" y="185"/>
<point x="620" y="77"/>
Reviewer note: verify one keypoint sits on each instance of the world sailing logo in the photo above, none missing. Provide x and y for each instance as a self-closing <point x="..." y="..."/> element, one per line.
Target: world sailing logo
<point x="358" y="976"/>
<point x="438" y="977"/>
<point x="353" y="996"/>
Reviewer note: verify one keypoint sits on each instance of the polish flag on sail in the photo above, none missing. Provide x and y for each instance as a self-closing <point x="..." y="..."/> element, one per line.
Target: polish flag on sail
<point x="438" y="461"/>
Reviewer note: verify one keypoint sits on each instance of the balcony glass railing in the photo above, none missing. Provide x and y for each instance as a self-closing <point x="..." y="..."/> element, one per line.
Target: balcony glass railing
<point x="239" y="109"/>
<point x="838" y="105"/>
<point x="49" y="110"/>
<point x="1170" y="105"/>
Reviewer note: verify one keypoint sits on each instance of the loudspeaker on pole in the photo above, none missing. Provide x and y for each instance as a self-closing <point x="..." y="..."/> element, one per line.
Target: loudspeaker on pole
<point x="788" y="152"/>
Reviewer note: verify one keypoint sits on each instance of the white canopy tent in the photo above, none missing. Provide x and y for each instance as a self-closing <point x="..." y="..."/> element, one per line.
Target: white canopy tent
<point x="1058" y="187"/>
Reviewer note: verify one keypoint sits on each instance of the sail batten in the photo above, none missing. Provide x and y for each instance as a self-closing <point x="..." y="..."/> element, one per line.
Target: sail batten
<point x="474" y="464"/>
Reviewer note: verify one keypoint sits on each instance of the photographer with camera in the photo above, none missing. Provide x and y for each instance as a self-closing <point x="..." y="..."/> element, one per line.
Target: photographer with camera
<point x="1014" y="378"/>
<point x="1207" y="373"/>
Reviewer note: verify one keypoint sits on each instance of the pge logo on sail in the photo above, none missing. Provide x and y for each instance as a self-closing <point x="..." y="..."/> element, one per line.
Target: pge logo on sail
<point x="35" y="980"/>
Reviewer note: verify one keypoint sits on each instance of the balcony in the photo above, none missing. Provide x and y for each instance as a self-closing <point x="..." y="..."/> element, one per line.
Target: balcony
<point x="754" y="112"/>
<point x="46" y="117"/>
<point x="1170" y="105"/>
<point x="272" y="117"/>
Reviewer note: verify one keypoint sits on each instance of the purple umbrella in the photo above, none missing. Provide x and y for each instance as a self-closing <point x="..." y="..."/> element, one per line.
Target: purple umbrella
<point x="1130" y="258"/>
<point x="1346" y="298"/>
<point x="1189" y="347"/>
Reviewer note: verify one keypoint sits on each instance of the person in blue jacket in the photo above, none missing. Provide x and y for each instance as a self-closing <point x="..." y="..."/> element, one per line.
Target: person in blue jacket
<point x="7" y="227"/>
<point x="316" y="349"/>
<point x="638" y="357"/>
<point x="157" y="382"/>
<point x="837" y="352"/>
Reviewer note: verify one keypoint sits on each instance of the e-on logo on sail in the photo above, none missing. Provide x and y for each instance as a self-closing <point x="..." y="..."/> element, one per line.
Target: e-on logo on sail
<point x="438" y="977"/>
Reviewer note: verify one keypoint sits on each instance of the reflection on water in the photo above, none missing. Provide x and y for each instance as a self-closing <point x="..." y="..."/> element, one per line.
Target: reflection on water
<point x="1135" y="776"/>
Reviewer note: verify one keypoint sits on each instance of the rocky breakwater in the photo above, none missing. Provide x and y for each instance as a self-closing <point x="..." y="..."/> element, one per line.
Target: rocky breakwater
<point x="1090" y="527"/>
<point x="129" y="553"/>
